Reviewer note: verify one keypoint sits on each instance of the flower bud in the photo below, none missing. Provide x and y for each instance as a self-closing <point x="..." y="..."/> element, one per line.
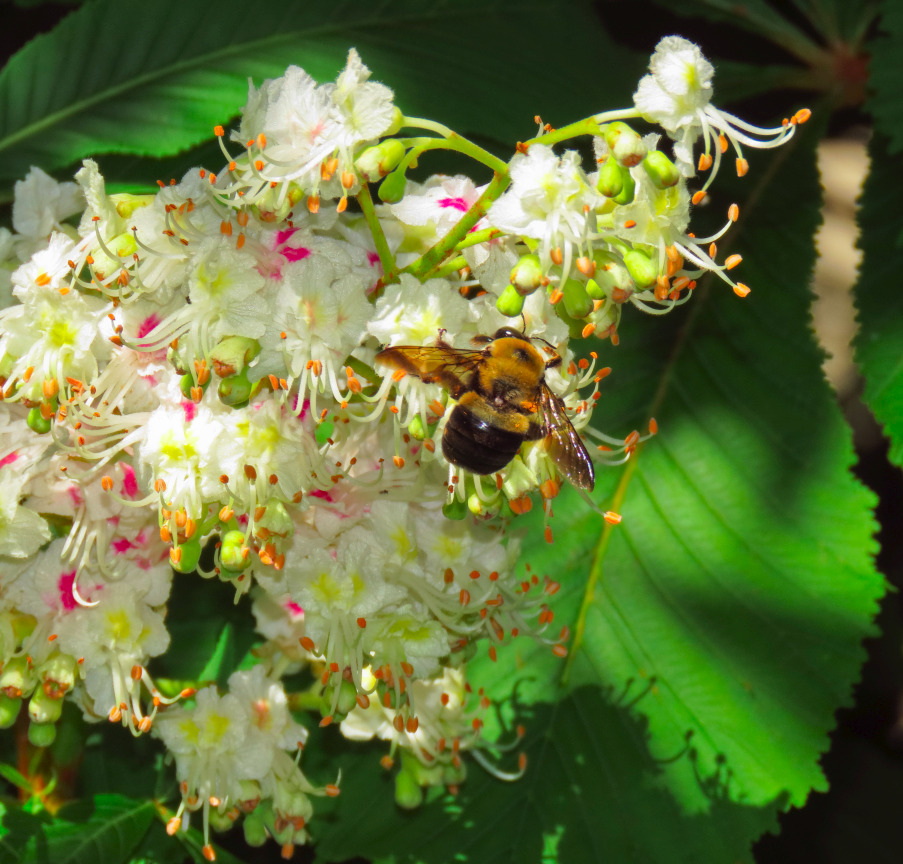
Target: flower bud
<point x="594" y="290"/>
<point x="626" y="145"/>
<point x="661" y="170"/>
<point x="255" y="829"/>
<point x="41" y="734"/>
<point x="187" y="384"/>
<point x="347" y="700"/>
<point x="641" y="267"/>
<point x="397" y="121"/>
<point x="9" y="710"/>
<point x="377" y="161"/>
<point x="233" y="354"/>
<point x="526" y="275"/>
<point x="391" y="190"/>
<point x="37" y="422"/>
<point x="611" y="274"/>
<point x="417" y="429"/>
<point x="577" y="302"/>
<point x="189" y="555"/>
<point x="17" y="679"/>
<point x="611" y="178"/>
<point x="628" y="191"/>
<point x="236" y="390"/>
<point x="408" y="794"/>
<point x="233" y="553"/>
<point x="510" y="302"/>
<point x="454" y="509"/>
<point x="58" y="674"/>
<point x="44" y="709"/>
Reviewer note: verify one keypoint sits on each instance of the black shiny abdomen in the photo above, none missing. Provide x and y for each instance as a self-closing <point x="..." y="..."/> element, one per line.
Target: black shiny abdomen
<point x="476" y="443"/>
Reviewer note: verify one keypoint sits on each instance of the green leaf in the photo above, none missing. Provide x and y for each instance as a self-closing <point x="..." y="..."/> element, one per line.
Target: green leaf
<point x="106" y="828"/>
<point x="717" y="629"/>
<point x="210" y="633"/>
<point x="83" y="89"/>
<point x="886" y="83"/>
<point x="879" y="344"/>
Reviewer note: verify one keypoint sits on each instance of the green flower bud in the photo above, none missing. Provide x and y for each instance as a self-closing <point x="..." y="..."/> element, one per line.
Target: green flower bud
<point x="626" y="145"/>
<point x="416" y="428"/>
<point x="255" y="829"/>
<point x="41" y="734"/>
<point x="9" y="710"/>
<point x="219" y="821"/>
<point x="408" y="794"/>
<point x="527" y="275"/>
<point x="454" y="509"/>
<point x="510" y="302"/>
<point x="397" y="121"/>
<point x="594" y="290"/>
<point x="611" y="274"/>
<point x="577" y="303"/>
<point x="643" y="270"/>
<point x="611" y="178"/>
<point x="233" y="354"/>
<point x="58" y="673"/>
<point x="17" y="678"/>
<point x="187" y="384"/>
<point x="377" y="161"/>
<point x="190" y="554"/>
<point x="391" y="190"/>
<point x="661" y="170"/>
<point x="44" y="709"/>
<point x="37" y="422"/>
<point x="628" y="192"/>
<point x="236" y="390"/>
<point x="232" y="553"/>
<point x="347" y="700"/>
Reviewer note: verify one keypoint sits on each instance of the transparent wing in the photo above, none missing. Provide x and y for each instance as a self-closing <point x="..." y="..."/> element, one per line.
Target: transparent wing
<point x="563" y="441"/>
<point x="453" y="368"/>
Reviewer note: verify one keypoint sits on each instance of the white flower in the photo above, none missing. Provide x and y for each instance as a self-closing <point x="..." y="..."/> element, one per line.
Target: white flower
<point x="677" y="95"/>
<point x="548" y="200"/>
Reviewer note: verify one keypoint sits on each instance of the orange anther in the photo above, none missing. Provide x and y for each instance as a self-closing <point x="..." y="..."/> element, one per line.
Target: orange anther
<point x="741" y="290"/>
<point x="705" y="161"/>
<point x="742" y="167"/>
<point x="732" y="261"/>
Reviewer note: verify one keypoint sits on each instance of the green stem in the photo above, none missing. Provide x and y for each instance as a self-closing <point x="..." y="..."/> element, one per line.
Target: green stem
<point x="386" y="258"/>
<point x="449" y="266"/>
<point x="433" y="258"/>
<point x="455" y="142"/>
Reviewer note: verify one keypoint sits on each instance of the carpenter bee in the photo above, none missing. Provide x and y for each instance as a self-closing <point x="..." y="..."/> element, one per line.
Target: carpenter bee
<point x="502" y="400"/>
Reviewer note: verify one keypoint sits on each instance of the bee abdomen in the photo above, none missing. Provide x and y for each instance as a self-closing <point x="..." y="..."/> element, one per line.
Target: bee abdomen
<point x="478" y="444"/>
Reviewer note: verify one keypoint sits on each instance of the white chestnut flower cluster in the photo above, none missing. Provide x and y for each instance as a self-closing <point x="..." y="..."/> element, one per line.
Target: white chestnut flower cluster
<point x="191" y="380"/>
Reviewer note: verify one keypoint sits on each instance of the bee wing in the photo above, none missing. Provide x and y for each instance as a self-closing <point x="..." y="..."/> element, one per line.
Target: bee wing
<point x="563" y="441"/>
<point x="441" y="364"/>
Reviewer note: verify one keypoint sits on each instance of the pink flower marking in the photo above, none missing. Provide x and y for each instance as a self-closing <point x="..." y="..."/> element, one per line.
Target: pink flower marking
<point x="454" y="203"/>
<point x="122" y="545"/>
<point x="294" y="253"/>
<point x="147" y="325"/>
<point x="372" y="259"/>
<point x="190" y="410"/>
<point x="129" y="481"/>
<point x="9" y="458"/>
<point x="283" y="236"/>
<point x="64" y="585"/>
<point x="293" y="609"/>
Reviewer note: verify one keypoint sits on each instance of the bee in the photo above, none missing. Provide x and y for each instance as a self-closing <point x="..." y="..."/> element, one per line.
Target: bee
<point x="502" y="400"/>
